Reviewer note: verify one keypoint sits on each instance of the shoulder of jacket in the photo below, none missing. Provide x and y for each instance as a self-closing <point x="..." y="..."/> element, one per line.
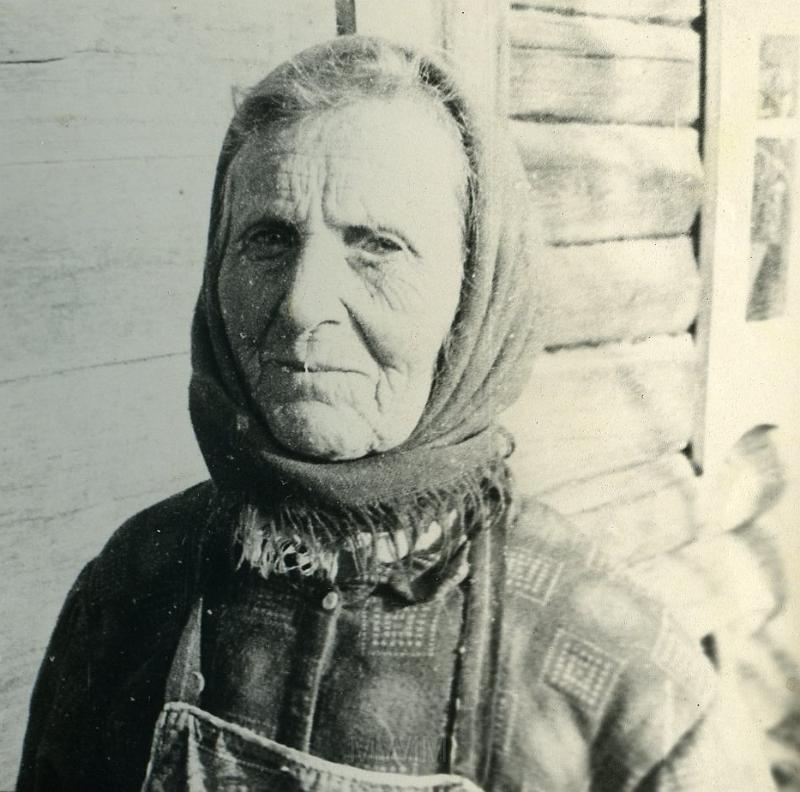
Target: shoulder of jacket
<point x="154" y="547"/>
<point x="591" y="638"/>
<point x="570" y="576"/>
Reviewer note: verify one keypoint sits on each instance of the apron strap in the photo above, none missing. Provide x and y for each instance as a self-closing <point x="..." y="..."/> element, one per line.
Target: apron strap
<point x="470" y="738"/>
<point x="185" y="681"/>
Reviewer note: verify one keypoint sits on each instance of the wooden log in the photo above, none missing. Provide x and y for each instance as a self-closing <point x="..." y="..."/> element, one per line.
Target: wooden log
<point x="597" y="37"/>
<point x="646" y="509"/>
<point x="655" y="523"/>
<point x="653" y="10"/>
<point x="712" y="585"/>
<point x="594" y="182"/>
<point x="599" y="70"/>
<point x="562" y="86"/>
<point x="765" y="667"/>
<point x="235" y="30"/>
<point x="617" y="290"/>
<point x="653" y="508"/>
<point x="628" y="484"/>
<point x="594" y="410"/>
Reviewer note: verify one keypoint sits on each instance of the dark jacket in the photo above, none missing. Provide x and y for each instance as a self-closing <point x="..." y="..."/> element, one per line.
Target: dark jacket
<point x="566" y="673"/>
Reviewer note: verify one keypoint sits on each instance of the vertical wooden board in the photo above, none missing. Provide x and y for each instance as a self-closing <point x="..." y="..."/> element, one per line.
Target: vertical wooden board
<point x="749" y="330"/>
<point x="417" y="24"/>
<point x="616" y="290"/>
<point x="596" y="183"/>
<point x="594" y="410"/>
<point x="569" y="87"/>
<point x="594" y="36"/>
<point x="475" y="38"/>
<point x="659" y="10"/>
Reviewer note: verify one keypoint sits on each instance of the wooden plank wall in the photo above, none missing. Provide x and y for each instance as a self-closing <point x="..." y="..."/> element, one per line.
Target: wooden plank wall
<point x="112" y="118"/>
<point x="604" y="100"/>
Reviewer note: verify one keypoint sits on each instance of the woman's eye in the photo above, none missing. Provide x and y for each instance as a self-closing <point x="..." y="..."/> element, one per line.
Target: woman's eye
<point x="373" y="243"/>
<point x="269" y="243"/>
<point x="381" y="244"/>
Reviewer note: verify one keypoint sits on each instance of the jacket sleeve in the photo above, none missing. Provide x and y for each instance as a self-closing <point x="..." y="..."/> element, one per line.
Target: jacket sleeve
<point x="60" y="708"/>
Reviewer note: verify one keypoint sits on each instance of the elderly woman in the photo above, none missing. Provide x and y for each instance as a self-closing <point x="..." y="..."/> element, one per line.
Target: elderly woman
<point x="357" y="599"/>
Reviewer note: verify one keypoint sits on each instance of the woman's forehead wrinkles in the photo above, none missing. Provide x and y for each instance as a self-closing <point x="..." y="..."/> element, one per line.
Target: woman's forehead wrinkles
<point x="359" y="192"/>
<point x="282" y="186"/>
<point x="353" y="190"/>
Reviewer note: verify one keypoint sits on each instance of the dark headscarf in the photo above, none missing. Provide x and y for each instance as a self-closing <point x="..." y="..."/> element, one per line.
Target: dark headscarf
<point x="457" y="445"/>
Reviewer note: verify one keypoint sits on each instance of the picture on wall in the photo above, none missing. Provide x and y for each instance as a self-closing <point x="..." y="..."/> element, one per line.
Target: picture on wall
<point x="778" y="76"/>
<point x="773" y="177"/>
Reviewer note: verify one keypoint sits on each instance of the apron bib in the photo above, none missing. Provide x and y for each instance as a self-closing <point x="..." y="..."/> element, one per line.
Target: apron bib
<point x="195" y="751"/>
<point x="198" y="752"/>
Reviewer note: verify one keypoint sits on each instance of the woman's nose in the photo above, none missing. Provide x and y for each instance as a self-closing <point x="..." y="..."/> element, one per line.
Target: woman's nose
<point x="313" y="290"/>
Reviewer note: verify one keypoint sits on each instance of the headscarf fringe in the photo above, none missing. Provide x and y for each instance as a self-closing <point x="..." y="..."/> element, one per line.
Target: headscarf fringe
<point x="306" y="539"/>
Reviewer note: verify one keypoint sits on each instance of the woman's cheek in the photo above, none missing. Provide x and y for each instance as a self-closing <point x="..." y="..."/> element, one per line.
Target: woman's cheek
<point x="248" y="296"/>
<point x="395" y="321"/>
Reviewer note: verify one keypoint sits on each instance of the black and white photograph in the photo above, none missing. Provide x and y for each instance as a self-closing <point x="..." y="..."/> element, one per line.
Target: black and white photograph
<point x="400" y="396"/>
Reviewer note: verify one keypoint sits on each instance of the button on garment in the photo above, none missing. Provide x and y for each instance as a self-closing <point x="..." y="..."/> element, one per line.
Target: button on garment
<point x="334" y="673"/>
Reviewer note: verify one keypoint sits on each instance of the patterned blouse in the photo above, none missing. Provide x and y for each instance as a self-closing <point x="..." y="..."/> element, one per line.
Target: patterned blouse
<point x="531" y="664"/>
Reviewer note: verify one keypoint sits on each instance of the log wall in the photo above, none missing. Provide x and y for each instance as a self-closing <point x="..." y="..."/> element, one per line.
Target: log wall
<point x="604" y="101"/>
<point x="112" y="118"/>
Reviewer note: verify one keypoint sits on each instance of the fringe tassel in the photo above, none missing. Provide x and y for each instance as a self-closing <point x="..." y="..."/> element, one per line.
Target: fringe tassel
<point x="307" y="539"/>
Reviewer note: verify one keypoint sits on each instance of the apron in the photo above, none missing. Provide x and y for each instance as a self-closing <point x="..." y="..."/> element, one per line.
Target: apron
<point x="196" y="751"/>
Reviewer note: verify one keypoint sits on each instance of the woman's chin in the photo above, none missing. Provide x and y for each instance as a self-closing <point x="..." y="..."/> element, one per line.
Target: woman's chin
<point x="321" y="431"/>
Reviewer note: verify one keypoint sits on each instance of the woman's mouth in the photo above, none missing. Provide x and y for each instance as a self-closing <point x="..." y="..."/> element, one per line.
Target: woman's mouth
<point x="296" y="366"/>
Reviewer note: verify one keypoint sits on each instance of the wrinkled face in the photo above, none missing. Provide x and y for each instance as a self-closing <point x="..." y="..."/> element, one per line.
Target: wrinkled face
<point x="343" y="271"/>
